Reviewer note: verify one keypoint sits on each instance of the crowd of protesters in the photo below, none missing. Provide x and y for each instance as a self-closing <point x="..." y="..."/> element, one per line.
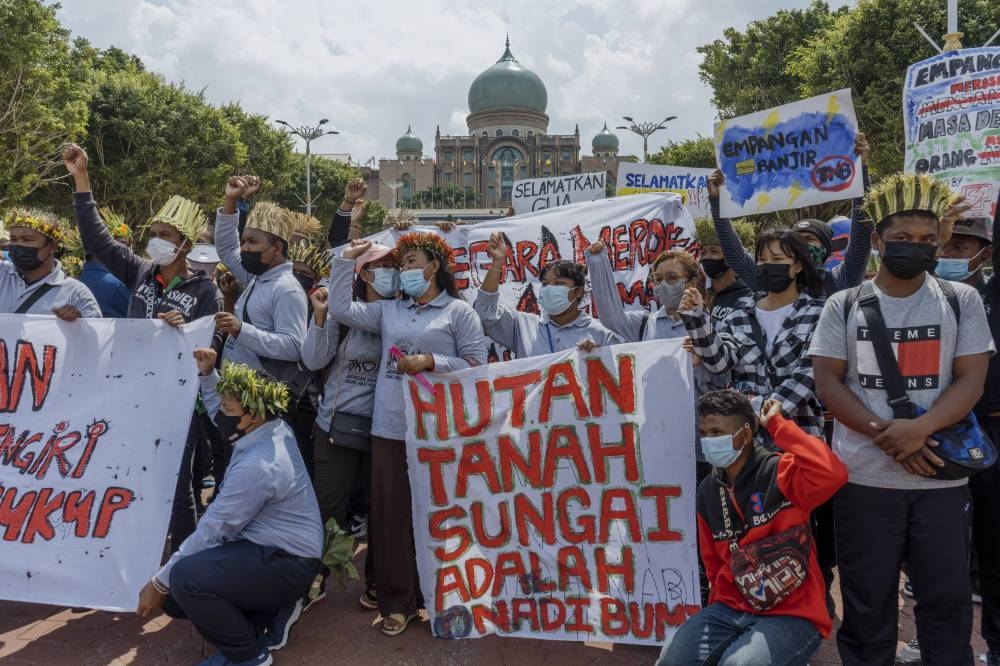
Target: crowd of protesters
<point x="297" y="436"/>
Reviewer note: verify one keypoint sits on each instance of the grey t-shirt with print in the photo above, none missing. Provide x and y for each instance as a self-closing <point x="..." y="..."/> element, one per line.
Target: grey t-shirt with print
<point x="926" y="339"/>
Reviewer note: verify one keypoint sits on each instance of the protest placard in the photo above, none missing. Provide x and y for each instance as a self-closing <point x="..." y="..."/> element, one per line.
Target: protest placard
<point x="689" y="182"/>
<point x="636" y="230"/>
<point x="951" y="117"/>
<point x="91" y="440"/>
<point x="536" y="194"/>
<point x="796" y="155"/>
<point x="553" y="496"/>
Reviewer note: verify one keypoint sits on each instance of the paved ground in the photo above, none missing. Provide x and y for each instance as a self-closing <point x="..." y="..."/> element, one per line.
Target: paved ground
<point x="334" y="631"/>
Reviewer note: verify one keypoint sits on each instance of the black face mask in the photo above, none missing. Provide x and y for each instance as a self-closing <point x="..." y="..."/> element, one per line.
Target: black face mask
<point x="774" y="278"/>
<point x="714" y="268"/>
<point x="908" y="260"/>
<point x="228" y="427"/>
<point x="251" y="263"/>
<point x="24" y="257"/>
<point x="307" y="282"/>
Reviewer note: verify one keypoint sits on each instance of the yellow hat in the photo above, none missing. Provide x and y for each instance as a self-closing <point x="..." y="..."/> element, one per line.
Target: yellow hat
<point x="908" y="191"/>
<point x="41" y="221"/>
<point x="184" y="215"/>
<point x="271" y="218"/>
<point x="312" y="255"/>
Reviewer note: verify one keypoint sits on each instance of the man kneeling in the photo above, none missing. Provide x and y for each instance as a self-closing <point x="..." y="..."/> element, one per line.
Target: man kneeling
<point x="767" y="603"/>
<point x="241" y="576"/>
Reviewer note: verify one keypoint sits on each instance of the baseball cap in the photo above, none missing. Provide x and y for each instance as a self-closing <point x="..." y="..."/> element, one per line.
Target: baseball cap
<point x="374" y="253"/>
<point x="978" y="227"/>
<point x="819" y="229"/>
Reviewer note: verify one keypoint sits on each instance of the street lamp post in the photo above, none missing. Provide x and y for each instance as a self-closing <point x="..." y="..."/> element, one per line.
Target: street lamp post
<point x="645" y="130"/>
<point x="308" y="134"/>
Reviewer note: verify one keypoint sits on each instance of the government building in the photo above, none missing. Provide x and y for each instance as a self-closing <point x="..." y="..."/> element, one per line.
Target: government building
<point x="508" y="140"/>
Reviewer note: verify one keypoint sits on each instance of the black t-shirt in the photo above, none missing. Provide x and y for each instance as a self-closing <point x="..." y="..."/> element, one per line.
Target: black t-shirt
<point x="725" y="301"/>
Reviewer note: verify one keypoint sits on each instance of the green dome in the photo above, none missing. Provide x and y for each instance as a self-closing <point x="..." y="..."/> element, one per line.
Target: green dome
<point x="605" y="140"/>
<point x="507" y="84"/>
<point x="409" y="143"/>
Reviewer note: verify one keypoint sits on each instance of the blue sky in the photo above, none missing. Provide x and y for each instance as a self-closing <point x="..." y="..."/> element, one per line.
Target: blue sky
<point x="375" y="67"/>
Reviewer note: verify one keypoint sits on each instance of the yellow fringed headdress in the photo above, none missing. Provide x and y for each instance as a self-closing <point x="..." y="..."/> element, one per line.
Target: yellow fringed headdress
<point x="184" y="215"/>
<point x="272" y="219"/>
<point x="905" y="192"/>
<point x="116" y="224"/>
<point x="41" y="221"/>
<point x="314" y="256"/>
<point x="259" y="396"/>
<point x="306" y="227"/>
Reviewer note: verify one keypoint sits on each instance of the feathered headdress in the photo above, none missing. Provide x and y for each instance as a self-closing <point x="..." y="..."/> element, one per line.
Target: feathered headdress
<point x="271" y="218"/>
<point x="398" y="215"/>
<point x="907" y="191"/>
<point x="184" y="215"/>
<point x="435" y="246"/>
<point x="305" y="226"/>
<point x="706" y="235"/>
<point x="258" y="395"/>
<point x="41" y="221"/>
<point x="316" y="257"/>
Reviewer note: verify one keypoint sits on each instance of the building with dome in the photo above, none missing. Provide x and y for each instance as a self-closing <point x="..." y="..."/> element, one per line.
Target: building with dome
<point x="508" y="140"/>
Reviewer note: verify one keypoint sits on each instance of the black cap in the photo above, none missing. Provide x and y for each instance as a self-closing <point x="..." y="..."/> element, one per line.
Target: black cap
<point x="819" y="229"/>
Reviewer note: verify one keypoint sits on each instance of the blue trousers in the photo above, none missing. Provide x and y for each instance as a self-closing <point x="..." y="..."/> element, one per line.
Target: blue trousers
<point x="231" y="592"/>
<point x="719" y="635"/>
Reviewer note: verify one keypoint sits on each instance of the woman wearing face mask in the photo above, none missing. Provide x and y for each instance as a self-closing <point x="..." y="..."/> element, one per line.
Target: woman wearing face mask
<point x="256" y="551"/>
<point x="746" y="620"/>
<point x="342" y="443"/>
<point x="562" y="325"/>
<point x="763" y="345"/>
<point x="435" y="331"/>
<point x="32" y="280"/>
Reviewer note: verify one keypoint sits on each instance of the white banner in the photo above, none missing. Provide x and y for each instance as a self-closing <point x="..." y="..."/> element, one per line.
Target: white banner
<point x="689" y="182"/>
<point x="97" y="413"/>
<point x="951" y="117"/>
<point x="796" y="155"/>
<point x="634" y="229"/>
<point x="554" y="496"/>
<point x="528" y="196"/>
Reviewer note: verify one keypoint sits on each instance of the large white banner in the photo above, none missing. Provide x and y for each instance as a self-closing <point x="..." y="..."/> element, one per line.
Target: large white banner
<point x="554" y="496"/>
<point x="689" y="182"/>
<point x="634" y="229"/>
<point x="796" y="155"/>
<point x="95" y="416"/>
<point x="528" y="196"/>
<point x="951" y="116"/>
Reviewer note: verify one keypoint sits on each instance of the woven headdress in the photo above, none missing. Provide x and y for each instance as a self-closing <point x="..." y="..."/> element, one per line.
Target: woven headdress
<point x="258" y="395"/>
<point x="41" y="221"/>
<point x="706" y="234"/>
<point x="272" y="219"/>
<point x="312" y="255"/>
<point x="398" y="215"/>
<point x="184" y="215"/>
<point x="905" y="192"/>
<point x="435" y="246"/>
<point x="116" y="224"/>
<point x="305" y="226"/>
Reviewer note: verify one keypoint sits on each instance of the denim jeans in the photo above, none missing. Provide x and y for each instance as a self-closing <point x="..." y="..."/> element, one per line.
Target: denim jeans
<point x="719" y="635"/>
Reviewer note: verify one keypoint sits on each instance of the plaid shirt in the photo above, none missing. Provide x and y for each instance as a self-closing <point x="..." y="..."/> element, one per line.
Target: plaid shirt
<point x="730" y="345"/>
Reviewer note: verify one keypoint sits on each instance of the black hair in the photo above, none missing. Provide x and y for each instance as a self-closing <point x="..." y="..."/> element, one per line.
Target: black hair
<point x="446" y="281"/>
<point x="726" y="402"/>
<point x="565" y="268"/>
<point x="886" y="222"/>
<point x="808" y="280"/>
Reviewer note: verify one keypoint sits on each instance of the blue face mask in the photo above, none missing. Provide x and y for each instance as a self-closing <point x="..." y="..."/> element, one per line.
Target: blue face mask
<point x="414" y="283"/>
<point x="386" y="281"/>
<point x="955" y="270"/>
<point x="719" y="451"/>
<point x="554" y="299"/>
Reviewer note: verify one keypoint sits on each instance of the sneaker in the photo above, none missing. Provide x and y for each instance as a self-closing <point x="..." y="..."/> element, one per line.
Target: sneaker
<point x="909" y="655"/>
<point x="908" y="588"/>
<point x="359" y="527"/>
<point x="263" y="659"/>
<point x="369" y="600"/>
<point x="280" y="627"/>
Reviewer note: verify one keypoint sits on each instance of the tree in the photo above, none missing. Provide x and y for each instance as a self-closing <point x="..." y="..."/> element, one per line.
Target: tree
<point x="43" y="95"/>
<point x="376" y="212"/>
<point x="883" y="31"/>
<point x="747" y="71"/>
<point x="329" y="177"/>
<point x="269" y="153"/>
<point x="697" y="153"/>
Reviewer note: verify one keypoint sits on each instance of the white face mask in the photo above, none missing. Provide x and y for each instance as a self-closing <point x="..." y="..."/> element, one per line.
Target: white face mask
<point x="162" y="252"/>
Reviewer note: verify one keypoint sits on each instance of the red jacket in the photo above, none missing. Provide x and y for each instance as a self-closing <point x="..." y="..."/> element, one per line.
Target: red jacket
<point x="772" y="493"/>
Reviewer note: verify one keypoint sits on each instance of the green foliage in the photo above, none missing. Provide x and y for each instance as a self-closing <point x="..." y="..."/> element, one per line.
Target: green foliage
<point x="375" y="220"/>
<point x="43" y="95"/>
<point x="268" y="150"/>
<point x="695" y="153"/>
<point x="448" y="195"/>
<point x="329" y="178"/>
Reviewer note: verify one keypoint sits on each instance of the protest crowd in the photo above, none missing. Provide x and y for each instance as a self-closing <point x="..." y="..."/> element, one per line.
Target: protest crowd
<point x="833" y="405"/>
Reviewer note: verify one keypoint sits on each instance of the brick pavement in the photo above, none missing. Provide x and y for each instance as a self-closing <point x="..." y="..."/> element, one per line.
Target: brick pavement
<point x="334" y="631"/>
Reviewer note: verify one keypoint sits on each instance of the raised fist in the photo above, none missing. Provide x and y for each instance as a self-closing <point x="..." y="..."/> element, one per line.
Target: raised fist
<point x="497" y="247"/>
<point x="355" y="189"/>
<point x="715" y="182"/>
<point x="75" y="159"/>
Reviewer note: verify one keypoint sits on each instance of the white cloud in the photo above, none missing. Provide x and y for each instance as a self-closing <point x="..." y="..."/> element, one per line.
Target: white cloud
<point x="373" y="68"/>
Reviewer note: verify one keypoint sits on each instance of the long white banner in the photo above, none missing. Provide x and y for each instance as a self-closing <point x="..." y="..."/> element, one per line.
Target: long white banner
<point x="95" y="417"/>
<point x="635" y="230"/>
<point x="553" y="497"/>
